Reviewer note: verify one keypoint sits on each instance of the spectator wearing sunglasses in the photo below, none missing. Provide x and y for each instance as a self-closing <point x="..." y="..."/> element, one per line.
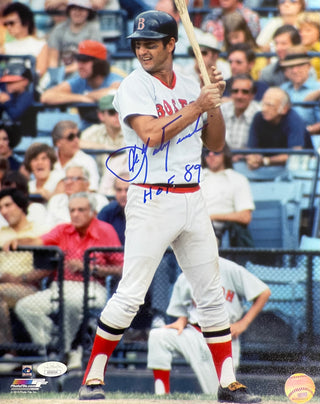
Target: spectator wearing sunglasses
<point x="239" y="112"/>
<point x="93" y="80"/>
<point x="210" y="51"/>
<point x="74" y="181"/>
<point x="227" y="193"/>
<point x="65" y="137"/>
<point x="19" y="21"/>
<point x="106" y="136"/>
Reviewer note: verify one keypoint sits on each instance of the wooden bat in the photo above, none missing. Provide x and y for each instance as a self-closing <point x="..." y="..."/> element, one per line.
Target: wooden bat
<point x="188" y="26"/>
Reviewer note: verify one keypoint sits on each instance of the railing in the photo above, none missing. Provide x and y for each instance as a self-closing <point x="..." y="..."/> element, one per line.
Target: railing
<point x="285" y="333"/>
<point x="48" y="258"/>
<point x="294" y="333"/>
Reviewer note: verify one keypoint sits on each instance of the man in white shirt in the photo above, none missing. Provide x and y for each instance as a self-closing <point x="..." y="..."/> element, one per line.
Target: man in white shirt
<point x="75" y="180"/>
<point x="210" y="50"/>
<point x="226" y="192"/>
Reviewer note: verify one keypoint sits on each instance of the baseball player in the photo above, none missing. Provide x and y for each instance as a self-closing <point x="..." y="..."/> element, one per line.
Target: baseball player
<point x="183" y="336"/>
<point x="161" y="117"/>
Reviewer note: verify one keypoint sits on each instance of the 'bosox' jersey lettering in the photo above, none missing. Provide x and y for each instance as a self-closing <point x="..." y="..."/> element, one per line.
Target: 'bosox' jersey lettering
<point x="167" y="108"/>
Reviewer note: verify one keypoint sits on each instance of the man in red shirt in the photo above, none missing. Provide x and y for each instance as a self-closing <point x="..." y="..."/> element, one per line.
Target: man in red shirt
<point x="73" y="238"/>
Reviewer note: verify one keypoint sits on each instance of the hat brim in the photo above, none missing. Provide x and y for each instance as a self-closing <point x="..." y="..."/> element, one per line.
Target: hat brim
<point x="147" y="35"/>
<point x="76" y="5"/>
<point x="83" y="57"/>
<point x="205" y="46"/>
<point x="294" y="62"/>
<point x="11" y="78"/>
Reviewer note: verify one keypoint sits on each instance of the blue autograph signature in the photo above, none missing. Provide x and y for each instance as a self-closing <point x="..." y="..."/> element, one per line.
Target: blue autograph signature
<point x="137" y="156"/>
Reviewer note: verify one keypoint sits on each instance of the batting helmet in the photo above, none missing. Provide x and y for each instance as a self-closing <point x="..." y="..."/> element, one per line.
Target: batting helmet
<point x="154" y="25"/>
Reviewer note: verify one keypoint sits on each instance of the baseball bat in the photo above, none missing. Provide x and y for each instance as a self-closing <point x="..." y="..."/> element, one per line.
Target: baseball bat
<point x="188" y="26"/>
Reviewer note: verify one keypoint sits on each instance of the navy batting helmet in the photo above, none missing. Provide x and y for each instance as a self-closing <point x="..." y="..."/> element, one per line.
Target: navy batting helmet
<point x="154" y="25"/>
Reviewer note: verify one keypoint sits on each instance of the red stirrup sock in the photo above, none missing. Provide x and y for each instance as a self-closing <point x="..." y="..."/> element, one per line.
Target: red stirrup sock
<point x="105" y="342"/>
<point x="219" y="343"/>
<point x="161" y="381"/>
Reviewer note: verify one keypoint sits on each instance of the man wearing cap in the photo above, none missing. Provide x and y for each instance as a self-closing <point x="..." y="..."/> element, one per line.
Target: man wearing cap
<point x="93" y="80"/>
<point x="64" y="38"/>
<point x="106" y="135"/>
<point x="210" y="51"/>
<point x="16" y="97"/>
<point x="296" y="67"/>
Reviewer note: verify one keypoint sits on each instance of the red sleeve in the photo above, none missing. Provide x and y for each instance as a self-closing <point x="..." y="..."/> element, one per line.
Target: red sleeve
<point x="111" y="239"/>
<point x="54" y="236"/>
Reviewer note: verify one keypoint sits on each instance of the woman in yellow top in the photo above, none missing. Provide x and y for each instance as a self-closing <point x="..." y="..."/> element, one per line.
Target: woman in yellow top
<point x="309" y="29"/>
<point x="236" y="31"/>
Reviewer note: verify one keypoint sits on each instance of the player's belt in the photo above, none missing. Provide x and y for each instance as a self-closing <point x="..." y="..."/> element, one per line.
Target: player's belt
<point x="174" y="188"/>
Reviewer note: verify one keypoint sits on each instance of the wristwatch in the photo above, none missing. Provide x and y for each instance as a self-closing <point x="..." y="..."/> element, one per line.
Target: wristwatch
<point x="266" y="161"/>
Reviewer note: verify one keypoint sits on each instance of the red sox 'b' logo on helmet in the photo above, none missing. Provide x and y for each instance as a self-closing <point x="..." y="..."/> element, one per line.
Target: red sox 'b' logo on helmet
<point x="141" y="24"/>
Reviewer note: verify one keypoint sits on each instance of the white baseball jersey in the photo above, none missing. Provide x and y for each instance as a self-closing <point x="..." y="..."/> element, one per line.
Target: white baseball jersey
<point x="237" y="283"/>
<point x="163" y="343"/>
<point x="170" y="162"/>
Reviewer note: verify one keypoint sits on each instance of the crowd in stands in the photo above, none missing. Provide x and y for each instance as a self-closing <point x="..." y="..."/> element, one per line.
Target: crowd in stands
<point x="60" y="59"/>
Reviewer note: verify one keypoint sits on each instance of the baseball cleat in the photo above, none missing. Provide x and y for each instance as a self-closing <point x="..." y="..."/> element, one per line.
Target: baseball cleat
<point x="236" y="393"/>
<point x="91" y="392"/>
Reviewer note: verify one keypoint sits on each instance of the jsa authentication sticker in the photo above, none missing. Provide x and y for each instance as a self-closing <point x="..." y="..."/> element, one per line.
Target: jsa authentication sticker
<point x="52" y="369"/>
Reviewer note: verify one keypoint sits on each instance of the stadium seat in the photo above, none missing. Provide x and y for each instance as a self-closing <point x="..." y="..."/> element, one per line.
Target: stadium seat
<point x="304" y="169"/>
<point x="26" y="141"/>
<point x="46" y="120"/>
<point x="288" y="293"/>
<point x="276" y="220"/>
<point x="113" y="26"/>
<point x="269" y="173"/>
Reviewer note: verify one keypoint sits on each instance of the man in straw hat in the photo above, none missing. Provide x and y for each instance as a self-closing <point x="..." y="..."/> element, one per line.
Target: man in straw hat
<point x="296" y="67"/>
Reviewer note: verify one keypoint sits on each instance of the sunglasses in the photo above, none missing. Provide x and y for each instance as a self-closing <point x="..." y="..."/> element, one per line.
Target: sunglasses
<point x="71" y="136"/>
<point x="84" y="58"/>
<point x="74" y="178"/>
<point x="290" y="1"/>
<point x="9" y="23"/>
<point x="240" y="90"/>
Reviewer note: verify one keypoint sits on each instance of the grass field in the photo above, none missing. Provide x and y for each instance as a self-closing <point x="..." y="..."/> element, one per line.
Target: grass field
<point x="120" y="398"/>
